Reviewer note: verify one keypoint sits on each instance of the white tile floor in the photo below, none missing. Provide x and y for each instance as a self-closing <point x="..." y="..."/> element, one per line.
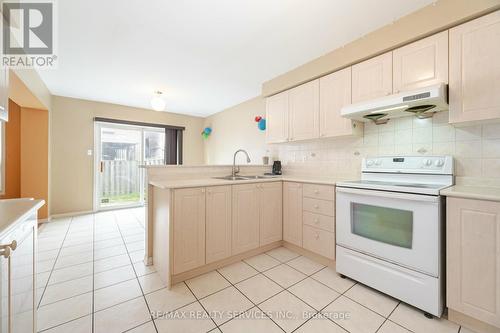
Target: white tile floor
<point x="92" y="279"/>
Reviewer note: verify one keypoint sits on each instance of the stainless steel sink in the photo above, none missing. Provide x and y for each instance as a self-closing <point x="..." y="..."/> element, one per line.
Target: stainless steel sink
<point x="231" y="178"/>
<point x="244" y="177"/>
<point x="257" y="177"/>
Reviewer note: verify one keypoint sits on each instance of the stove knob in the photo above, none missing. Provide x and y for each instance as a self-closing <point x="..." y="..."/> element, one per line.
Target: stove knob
<point x="378" y="162"/>
<point x="439" y="163"/>
<point x="369" y="162"/>
<point x="427" y="162"/>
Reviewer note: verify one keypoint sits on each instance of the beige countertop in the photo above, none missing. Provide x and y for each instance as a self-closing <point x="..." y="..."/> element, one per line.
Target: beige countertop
<point x="15" y="211"/>
<point x="472" y="192"/>
<point x="201" y="182"/>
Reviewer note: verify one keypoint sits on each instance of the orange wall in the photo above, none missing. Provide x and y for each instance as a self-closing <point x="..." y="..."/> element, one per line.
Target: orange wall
<point x="13" y="153"/>
<point x="27" y="155"/>
<point x="35" y="156"/>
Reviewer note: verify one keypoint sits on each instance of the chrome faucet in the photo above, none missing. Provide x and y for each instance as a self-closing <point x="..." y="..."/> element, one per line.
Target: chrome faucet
<point x="234" y="171"/>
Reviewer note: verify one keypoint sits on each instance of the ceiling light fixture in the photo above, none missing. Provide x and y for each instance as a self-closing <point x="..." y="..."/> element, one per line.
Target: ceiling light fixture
<point x="157" y="102"/>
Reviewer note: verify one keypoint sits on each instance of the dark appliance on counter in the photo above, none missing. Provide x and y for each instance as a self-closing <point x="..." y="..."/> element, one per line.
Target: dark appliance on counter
<point x="277" y="168"/>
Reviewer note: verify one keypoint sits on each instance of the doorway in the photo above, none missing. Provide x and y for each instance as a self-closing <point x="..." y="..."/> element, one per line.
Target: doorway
<point x="120" y="151"/>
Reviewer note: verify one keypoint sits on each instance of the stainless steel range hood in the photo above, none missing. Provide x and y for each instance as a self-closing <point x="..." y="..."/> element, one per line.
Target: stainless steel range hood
<point x="423" y="103"/>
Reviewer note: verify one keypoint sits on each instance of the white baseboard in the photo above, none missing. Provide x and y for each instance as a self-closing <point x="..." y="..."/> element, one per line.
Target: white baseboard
<point x="71" y="214"/>
<point x="44" y="220"/>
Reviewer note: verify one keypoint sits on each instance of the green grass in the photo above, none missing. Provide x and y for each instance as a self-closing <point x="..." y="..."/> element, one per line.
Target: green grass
<point x="120" y="199"/>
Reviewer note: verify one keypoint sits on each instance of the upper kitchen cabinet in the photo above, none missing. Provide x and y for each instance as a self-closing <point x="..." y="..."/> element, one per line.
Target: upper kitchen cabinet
<point x="421" y="64"/>
<point x="334" y="93"/>
<point x="475" y="70"/>
<point x="372" y="78"/>
<point x="4" y="94"/>
<point x="277" y="118"/>
<point x="303" y="111"/>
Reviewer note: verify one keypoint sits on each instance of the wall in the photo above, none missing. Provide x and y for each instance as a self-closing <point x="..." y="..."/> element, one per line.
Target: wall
<point x="27" y="145"/>
<point x="35" y="86"/>
<point x="72" y="134"/>
<point x="431" y="19"/>
<point x="235" y="128"/>
<point x="476" y="149"/>
<point x="13" y="153"/>
<point x="35" y="156"/>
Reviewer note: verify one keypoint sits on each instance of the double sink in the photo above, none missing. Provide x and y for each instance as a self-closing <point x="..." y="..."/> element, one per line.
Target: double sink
<point x="245" y="177"/>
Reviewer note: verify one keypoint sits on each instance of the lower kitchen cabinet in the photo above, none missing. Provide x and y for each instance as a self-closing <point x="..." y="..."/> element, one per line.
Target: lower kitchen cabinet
<point x="18" y="271"/>
<point x="292" y="213"/>
<point x="271" y="213"/>
<point x="218" y="223"/>
<point x="473" y="259"/>
<point x="189" y="229"/>
<point x="246" y="216"/>
<point x="319" y="241"/>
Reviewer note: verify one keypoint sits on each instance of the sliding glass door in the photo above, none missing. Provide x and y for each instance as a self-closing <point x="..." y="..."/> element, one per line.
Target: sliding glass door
<point x="120" y="151"/>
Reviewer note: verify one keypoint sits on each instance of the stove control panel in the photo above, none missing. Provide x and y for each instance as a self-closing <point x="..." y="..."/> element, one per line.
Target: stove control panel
<point x="409" y="164"/>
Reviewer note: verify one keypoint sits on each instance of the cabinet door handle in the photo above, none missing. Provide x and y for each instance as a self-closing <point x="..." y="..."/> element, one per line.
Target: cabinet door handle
<point x="316" y="220"/>
<point x="6" y="250"/>
<point x="316" y="236"/>
<point x="316" y="191"/>
<point x="316" y="206"/>
<point x="202" y="190"/>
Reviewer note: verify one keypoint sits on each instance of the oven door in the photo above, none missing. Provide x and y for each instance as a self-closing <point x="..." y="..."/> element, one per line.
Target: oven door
<point x="402" y="228"/>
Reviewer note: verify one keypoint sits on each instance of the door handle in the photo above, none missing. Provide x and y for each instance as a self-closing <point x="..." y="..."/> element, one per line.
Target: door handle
<point x="102" y="166"/>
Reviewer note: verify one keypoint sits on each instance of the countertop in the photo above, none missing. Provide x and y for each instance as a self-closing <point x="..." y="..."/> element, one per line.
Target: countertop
<point x="15" y="211"/>
<point x="472" y="192"/>
<point x="201" y="182"/>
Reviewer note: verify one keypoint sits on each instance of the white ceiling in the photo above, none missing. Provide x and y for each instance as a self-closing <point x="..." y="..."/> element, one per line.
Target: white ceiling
<point x="205" y="55"/>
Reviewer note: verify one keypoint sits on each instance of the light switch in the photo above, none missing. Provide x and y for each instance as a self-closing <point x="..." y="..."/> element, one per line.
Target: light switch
<point x="89" y="152"/>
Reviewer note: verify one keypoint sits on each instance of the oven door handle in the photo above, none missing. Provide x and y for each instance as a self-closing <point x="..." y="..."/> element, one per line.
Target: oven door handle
<point x="388" y="194"/>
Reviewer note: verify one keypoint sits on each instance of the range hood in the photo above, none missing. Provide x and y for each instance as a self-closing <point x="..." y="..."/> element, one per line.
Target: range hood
<point x="422" y="102"/>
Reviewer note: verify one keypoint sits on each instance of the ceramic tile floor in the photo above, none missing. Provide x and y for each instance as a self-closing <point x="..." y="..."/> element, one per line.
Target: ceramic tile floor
<point x="92" y="279"/>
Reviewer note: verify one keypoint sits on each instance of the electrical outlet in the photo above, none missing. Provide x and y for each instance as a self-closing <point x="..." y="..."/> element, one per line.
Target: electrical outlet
<point x="89" y="152"/>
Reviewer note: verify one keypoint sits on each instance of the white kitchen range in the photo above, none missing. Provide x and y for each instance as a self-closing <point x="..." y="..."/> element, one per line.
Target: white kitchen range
<point x="390" y="228"/>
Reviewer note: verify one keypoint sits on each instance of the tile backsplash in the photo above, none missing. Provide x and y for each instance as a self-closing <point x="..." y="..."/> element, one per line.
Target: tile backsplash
<point x="476" y="148"/>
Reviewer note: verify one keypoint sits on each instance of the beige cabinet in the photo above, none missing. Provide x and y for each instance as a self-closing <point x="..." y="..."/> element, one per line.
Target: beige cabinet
<point x="475" y="70"/>
<point x="271" y="212"/>
<point x="246" y="214"/>
<point x="303" y="111"/>
<point x="277" y="118"/>
<point x="292" y="213"/>
<point x="372" y="78"/>
<point x="473" y="259"/>
<point x="421" y="64"/>
<point x="189" y="229"/>
<point x="18" y="275"/>
<point x="218" y="223"/>
<point x="334" y="93"/>
<point x="319" y="241"/>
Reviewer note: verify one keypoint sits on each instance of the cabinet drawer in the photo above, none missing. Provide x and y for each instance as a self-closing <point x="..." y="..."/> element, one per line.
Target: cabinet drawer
<point x="319" y="221"/>
<point x="323" y="192"/>
<point x="319" y="241"/>
<point x="319" y="206"/>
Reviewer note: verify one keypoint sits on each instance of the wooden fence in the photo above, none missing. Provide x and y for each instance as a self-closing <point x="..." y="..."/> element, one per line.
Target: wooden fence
<point x="122" y="177"/>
